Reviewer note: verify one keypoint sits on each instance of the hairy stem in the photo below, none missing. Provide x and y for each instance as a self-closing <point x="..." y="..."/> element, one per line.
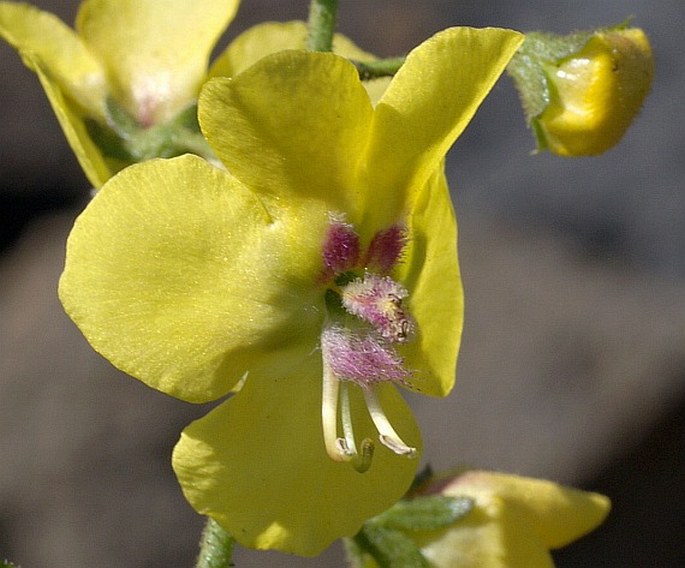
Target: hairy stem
<point x="322" y="17"/>
<point x="216" y="547"/>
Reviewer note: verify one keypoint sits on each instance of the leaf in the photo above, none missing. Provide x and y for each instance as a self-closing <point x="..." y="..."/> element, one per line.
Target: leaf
<point x="390" y="548"/>
<point x="424" y="513"/>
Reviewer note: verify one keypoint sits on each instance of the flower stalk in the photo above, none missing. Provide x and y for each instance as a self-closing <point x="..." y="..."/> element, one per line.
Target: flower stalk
<point x="216" y="547"/>
<point x="379" y="67"/>
<point x="322" y="21"/>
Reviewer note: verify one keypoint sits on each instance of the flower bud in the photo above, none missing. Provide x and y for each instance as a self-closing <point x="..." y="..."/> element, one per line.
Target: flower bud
<point x="581" y="92"/>
<point x="514" y="521"/>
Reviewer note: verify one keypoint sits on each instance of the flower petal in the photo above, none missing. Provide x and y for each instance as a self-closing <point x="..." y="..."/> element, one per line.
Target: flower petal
<point x="257" y="464"/>
<point x="431" y="274"/>
<point x="177" y="275"/>
<point x="271" y="37"/>
<point x="427" y="106"/>
<point x="97" y="168"/>
<point x="290" y="127"/>
<point x="42" y="37"/>
<point x="156" y="51"/>
<point x="258" y="42"/>
<point x="515" y="520"/>
<point x="559" y="515"/>
<point x="491" y="535"/>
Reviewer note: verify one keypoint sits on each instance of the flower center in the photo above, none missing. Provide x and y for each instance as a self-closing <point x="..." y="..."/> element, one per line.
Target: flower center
<point x="366" y="317"/>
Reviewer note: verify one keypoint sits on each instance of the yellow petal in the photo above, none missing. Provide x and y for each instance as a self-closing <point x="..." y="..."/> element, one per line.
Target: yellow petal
<point x="431" y="273"/>
<point x="490" y="536"/>
<point x="271" y="37"/>
<point x="558" y="514"/>
<point x="426" y="107"/>
<point x="257" y="42"/>
<point x="97" y="168"/>
<point x="257" y="464"/>
<point x="178" y="276"/>
<point x="42" y="37"/>
<point x="514" y="522"/>
<point x="156" y="51"/>
<point x="291" y="127"/>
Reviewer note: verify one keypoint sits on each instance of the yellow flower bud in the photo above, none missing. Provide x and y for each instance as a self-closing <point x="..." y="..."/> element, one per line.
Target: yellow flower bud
<point x="595" y="93"/>
<point x="514" y="522"/>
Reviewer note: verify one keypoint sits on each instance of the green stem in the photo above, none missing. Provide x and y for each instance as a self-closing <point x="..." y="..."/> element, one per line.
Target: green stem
<point x="378" y="68"/>
<point x="216" y="547"/>
<point x="322" y="16"/>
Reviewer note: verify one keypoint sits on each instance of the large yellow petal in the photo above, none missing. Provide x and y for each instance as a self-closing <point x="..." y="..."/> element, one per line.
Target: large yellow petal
<point x="257" y="464"/>
<point x="42" y="37"/>
<point x="178" y="276"/>
<point x="156" y="51"/>
<point x="430" y="272"/>
<point x="292" y="126"/>
<point x="426" y="107"/>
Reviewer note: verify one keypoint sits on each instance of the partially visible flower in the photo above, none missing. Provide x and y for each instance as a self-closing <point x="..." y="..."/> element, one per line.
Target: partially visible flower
<point x="124" y="83"/>
<point x="147" y="58"/>
<point x="581" y="92"/>
<point x="514" y="523"/>
<point x="313" y="279"/>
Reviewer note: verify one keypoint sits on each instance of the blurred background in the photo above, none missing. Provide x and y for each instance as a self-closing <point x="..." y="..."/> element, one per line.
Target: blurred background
<point x="573" y="361"/>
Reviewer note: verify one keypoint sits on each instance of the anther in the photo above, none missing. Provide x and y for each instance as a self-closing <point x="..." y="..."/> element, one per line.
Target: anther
<point x="387" y="435"/>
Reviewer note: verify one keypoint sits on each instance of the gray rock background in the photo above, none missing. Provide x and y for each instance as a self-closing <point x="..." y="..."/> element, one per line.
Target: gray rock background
<point x="573" y="362"/>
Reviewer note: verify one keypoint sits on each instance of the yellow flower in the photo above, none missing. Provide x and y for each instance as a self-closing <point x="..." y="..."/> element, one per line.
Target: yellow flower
<point x="312" y="280"/>
<point x="514" y="522"/>
<point x="581" y="92"/>
<point x="148" y="56"/>
<point x="124" y="83"/>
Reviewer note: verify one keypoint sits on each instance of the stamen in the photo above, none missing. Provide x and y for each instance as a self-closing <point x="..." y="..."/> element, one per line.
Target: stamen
<point x="346" y="418"/>
<point x="378" y="301"/>
<point x="341" y="449"/>
<point x="335" y="447"/>
<point x="386" y="249"/>
<point x="361" y="358"/>
<point x="360" y="461"/>
<point x="364" y="352"/>
<point x="340" y="250"/>
<point x="387" y="435"/>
